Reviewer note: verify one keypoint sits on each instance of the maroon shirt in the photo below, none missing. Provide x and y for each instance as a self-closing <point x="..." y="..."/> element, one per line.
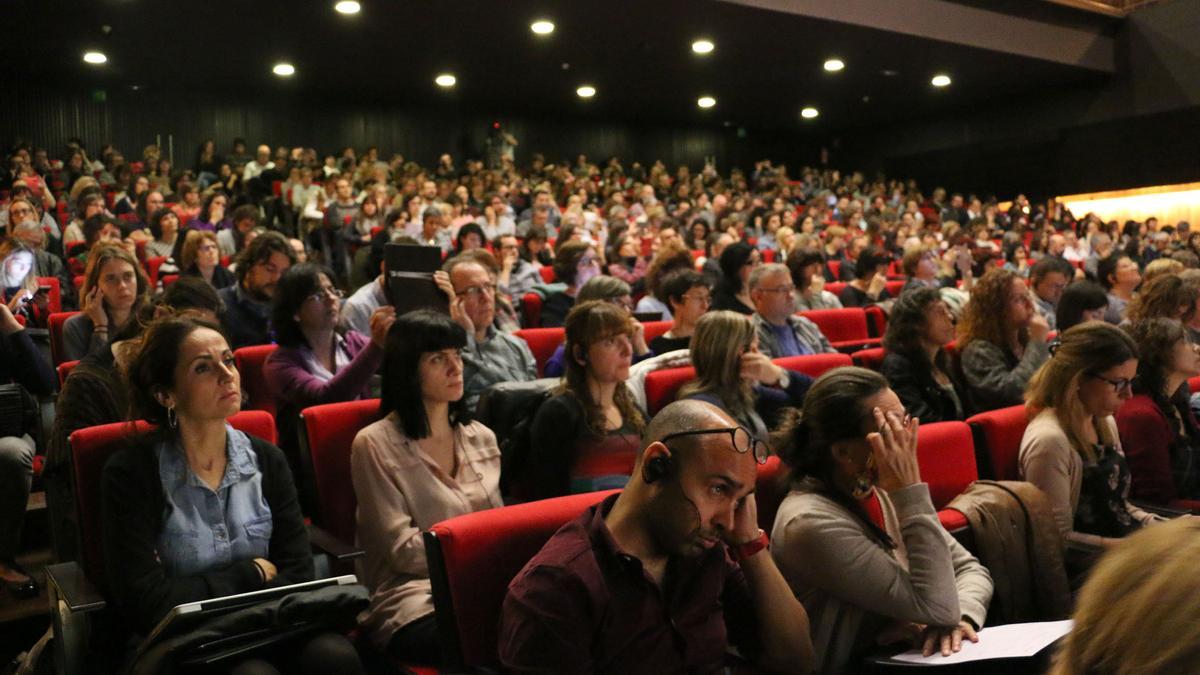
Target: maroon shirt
<point x="583" y="605"/>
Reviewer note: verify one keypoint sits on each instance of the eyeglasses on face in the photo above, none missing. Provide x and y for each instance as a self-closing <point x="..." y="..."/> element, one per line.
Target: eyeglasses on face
<point x="779" y="289"/>
<point x="477" y="291"/>
<point x="1124" y="384"/>
<point x="739" y="437"/>
<point x="328" y="292"/>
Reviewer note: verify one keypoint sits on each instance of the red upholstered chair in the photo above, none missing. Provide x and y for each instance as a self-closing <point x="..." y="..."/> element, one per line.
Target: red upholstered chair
<point x="547" y="273"/>
<point x="893" y="287"/>
<point x="813" y="365"/>
<point x="768" y="256"/>
<point x="876" y="321"/>
<point x="1194" y="384"/>
<point x="542" y="342"/>
<point x="835" y="287"/>
<point x="835" y="269"/>
<point x="655" y="328"/>
<point x="946" y="457"/>
<point x="152" y="265"/>
<point x="77" y="280"/>
<point x="55" y="324"/>
<point x="64" y="370"/>
<point x="328" y="433"/>
<point x="845" y="328"/>
<point x="662" y="386"/>
<point x="531" y="310"/>
<point x="998" y="435"/>
<point x="250" y="362"/>
<point x="169" y="279"/>
<point x="770" y="487"/>
<point x="869" y="358"/>
<point x="54" y="298"/>
<point x="472" y="559"/>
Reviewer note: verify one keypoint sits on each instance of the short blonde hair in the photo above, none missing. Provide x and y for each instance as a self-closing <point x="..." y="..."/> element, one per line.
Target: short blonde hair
<point x="1161" y="266"/>
<point x="1136" y="612"/>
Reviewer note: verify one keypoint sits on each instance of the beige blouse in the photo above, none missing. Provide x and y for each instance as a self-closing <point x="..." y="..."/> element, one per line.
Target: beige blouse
<point x="402" y="492"/>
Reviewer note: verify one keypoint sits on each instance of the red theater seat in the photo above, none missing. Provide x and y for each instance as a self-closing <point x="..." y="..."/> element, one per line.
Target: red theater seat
<point x="893" y="287"/>
<point x="869" y="358"/>
<point x="250" y="362"/>
<point x="531" y="310"/>
<point x="814" y="365"/>
<point x="998" y="435"/>
<point x="547" y="273"/>
<point x="835" y="269"/>
<point x="472" y="559"/>
<point x="54" y="297"/>
<point x="846" y="329"/>
<point x="542" y="342"/>
<point x="1194" y="384"/>
<point x="152" y="265"/>
<point x="662" y="386"/>
<point x="946" y="456"/>
<point x="64" y="371"/>
<point x="55" y="325"/>
<point x="329" y="432"/>
<point x="835" y="287"/>
<point x="655" y="328"/>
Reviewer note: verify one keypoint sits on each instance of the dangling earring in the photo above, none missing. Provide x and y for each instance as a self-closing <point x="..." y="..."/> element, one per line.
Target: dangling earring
<point x="862" y="480"/>
<point x="172" y="418"/>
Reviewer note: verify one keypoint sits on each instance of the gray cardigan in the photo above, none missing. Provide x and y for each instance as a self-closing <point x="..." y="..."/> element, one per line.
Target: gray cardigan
<point x="995" y="378"/>
<point x="853" y="588"/>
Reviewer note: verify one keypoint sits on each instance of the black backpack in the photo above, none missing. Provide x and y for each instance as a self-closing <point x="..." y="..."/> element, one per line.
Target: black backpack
<point x="508" y="409"/>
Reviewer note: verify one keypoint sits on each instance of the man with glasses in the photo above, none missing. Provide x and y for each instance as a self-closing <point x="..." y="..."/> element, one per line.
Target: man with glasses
<point x="780" y="331"/>
<point x="491" y="356"/>
<point x="1048" y="278"/>
<point x="665" y="575"/>
<point x="248" y="302"/>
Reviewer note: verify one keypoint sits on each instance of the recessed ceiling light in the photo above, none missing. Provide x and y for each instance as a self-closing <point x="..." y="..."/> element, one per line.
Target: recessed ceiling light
<point x="445" y="80"/>
<point x="95" y="58"/>
<point x="703" y="46"/>
<point x="834" y="65"/>
<point x="888" y="72"/>
<point x="284" y="69"/>
<point x="347" y="7"/>
<point x="542" y="27"/>
<point x="706" y="101"/>
<point x="809" y="113"/>
<point x="940" y="81"/>
<point x="586" y="91"/>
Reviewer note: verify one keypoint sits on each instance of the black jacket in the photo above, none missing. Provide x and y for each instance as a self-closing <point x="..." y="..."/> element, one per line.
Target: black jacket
<point x="133" y="507"/>
<point x="921" y="395"/>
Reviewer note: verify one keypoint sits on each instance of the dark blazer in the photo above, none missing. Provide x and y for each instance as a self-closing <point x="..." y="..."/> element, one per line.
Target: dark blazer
<point x="133" y="507"/>
<point x="921" y="395"/>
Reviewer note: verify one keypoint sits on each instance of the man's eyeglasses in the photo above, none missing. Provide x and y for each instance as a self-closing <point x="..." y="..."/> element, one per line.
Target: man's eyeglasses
<point x="335" y="293"/>
<point x="1125" y="384"/>
<point x="477" y="291"/>
<point x="780" y="289"/>
<point x="740" y="437"/>
<point x="705" y="299"/>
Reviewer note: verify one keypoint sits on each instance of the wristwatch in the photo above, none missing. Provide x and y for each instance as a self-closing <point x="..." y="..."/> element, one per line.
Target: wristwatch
<point x="784" y="379"/>
<point x="743" y="551"/>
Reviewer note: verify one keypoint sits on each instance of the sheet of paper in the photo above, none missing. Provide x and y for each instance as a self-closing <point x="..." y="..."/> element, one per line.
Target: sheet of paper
<point x="998" y="642"/>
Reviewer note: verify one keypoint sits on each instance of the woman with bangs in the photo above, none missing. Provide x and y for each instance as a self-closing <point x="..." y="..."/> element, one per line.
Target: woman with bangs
<point x="114" y="288"/>
<point x="587" y="435"/>
<point x="733" y="375"/>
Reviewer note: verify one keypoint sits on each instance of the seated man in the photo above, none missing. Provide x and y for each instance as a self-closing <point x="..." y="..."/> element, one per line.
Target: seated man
<point x="491" y="356"/>
<point x="780" y="332"/>
<point x="248" y="302"/>
<point x="1049" y="278"/>
<point x="662" y="577"/>
<point x="358" y="308"/>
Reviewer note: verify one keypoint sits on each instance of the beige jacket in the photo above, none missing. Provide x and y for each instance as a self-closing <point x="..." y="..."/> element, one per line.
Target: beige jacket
<point x="401" y="492"/>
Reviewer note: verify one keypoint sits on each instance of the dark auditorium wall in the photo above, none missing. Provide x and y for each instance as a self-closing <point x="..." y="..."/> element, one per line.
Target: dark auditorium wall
<point x="131" y="119"/>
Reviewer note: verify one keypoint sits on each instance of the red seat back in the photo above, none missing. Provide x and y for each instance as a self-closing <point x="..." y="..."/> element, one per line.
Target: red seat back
<point x="946" y="456"/>
<point x="998" y="435"/>
<point x="169" y="279"/>
<point x="250" y="362"/>
<point x="90" y="450"/>
<point x="662" y="386"/>
<point x="55" y="324"/>
<point x="64" y="371"/>
<point x="472" y="559"/>
<point x="836" y="287"/>
<point x="768" y="256"/>
<point x="840" y="325"/>
<point x="655" y="328"/>
<point x="542" y="342"/>
<point x="152" y="265"/>
<point x="54" y="298"/>
<point x="547" y="272"/>
<point x="869" y="358"/>
<point x="1194" y="384"/>
<point x="329" y="432"/>
<point x="893" y="287"/>
<point x="876" y="321"/>
<point x="814" y="365"/>
<point x="835" y="268"/>
<point x="531" y="310"/>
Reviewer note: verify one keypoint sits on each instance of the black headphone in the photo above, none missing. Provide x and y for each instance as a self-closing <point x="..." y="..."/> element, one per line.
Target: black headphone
<point x="657" y="468"/>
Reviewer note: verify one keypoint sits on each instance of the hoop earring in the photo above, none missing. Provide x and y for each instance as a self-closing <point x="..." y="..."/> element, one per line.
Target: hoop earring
<point x="172" y="418"/>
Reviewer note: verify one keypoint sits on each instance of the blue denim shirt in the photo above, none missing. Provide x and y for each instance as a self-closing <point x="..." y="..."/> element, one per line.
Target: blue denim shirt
<point x="203" y="529"/>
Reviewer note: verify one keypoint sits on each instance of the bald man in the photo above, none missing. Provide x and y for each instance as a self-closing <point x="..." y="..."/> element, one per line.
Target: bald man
<point x="662" y="577"/>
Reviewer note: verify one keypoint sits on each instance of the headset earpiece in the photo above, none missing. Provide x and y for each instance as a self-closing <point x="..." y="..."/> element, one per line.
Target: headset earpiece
<point x="657" y="468"/>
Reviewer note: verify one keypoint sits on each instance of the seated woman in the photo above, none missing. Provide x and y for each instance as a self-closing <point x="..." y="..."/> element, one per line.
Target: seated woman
<point x="188" y="207"/>
<point x="164" y="228"/>
<point x="1158" y="431"/>
<point x="19" y="283"/>
<point x="212" y="214"/>
<point x="196" y="509"/>
<point x="313" y="364"/>
<point x="470" y="237"/>
<point x="671" y="256"/>
<point x="114" y="288"/>
<point x="1119" y="275"/>
<point x="98" y="228"/>
<point x="606" y="289"/>
<point x="869" y="285"/>
<point x="1167" y="296"/>
<point x="625" y="260"/>
<point x="201" y="257"/>
<point x="1071" y="450"/>
<point x="858" y="539"/>
<point x="1002" y="340"/>
<point x="733" y="291"/>
<point x="689" y="294"/>
<point x="587" y="435"/>
<point x="805" y="267"/>
<point x="1081" y="301"/>
<point x="575" y="263"/>
<point x="734" y="376"/>
<point x="424" y="462"/>
<point x="916" y="365"/>
<point x="128" y="201"/>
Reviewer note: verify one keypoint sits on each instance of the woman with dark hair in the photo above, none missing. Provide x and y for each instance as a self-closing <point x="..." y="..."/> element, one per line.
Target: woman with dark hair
<point x="805" y="267"/>
<point x="1082" y="301"/>
<point x="574" y="264"/>
<point x="470" y="237"/>
<point x="671" y="257"/>
<point x="114" y="287"/>
<point x="212" y="214"/>
<point x="164" y="228"/>
<point x="424" y="462"/>
<point x="916" y="365"/>
<point x="1158" y="430"/>
<point x="188" y="207"/>
<point x="1119" y="275"/>
<point x="869" y="285"/>
<point x="689" y="294"/>
<point x="625" y="259"/>
<point x="128" y="201"/>
<point x="586" y="437"/>
<point x="167" y="540"/>
<point x="534" y="249"/>
<point x="733" y="292"/>
<point x="858" y="538"/>
<point x="696" y="235"/>
<point x="313" y="364"/>
<point x="607" y="289"/>
<point x="1003" y="340"/>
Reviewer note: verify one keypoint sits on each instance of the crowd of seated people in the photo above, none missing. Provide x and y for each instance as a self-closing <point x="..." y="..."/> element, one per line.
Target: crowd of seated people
<point x="1089" y="325"/>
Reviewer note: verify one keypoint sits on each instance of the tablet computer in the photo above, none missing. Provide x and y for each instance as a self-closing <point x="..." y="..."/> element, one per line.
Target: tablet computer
<point x="409" y="273"/>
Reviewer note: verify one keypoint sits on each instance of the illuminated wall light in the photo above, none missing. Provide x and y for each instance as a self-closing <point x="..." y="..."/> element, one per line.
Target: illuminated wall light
<point x="940" y="81"/>
<point x="445" y="80"/>
<point x="95" y="58"/>
<point x="542" y="27"/>
<point x="284" y="69"/>
<point x="347" y="7"/>
<point x="834" y="65"/>
<point x="586" y="91"/>
<point x="809" y="113"/>
<point x="703" y="46"/>
<point x="1169" y="203"/>
<point x="706" y="101"/>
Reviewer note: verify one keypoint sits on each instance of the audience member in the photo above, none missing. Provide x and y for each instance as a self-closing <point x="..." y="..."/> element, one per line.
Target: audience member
<point x="19" y="285"/>
<point x="805" y="268"/>
<point x="575" y="263"/>
<point x="607" y="289"/>
<point x="114" y="287"/>
<point x="672" y="256"/>
<point x="201" y="257"/>
<point x="689" y="294"/>
<point x="732" y="288"/>
<point x="1081" y="301"/>
<point x="1167" y="296"/>
<point x="1119" y="276"/>
<point x="781" y="332"/>
<point x="233" y="239"/>
<point x="248" y="302"/>
<point x="164" y="229"/>
<point x="916" y="365"/>
<point x="517" y="275"/>
<point x="625" y="260"/>
<point x="869" y="285"/>
<point x="1048" y="278"/>
<point x="212" y="214"/>
<point x="1002" y="340"/>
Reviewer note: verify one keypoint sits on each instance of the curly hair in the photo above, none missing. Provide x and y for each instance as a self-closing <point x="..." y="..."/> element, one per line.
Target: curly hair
<point x="586" y="324"/>
<point x="1165" y="296"/>
<point x="670" y="258"/>
<point x="907" y="323"/>
<point x="984" y="316"/>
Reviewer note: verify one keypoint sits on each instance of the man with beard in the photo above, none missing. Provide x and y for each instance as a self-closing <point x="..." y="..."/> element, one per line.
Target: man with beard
<point x="662" y="577"/>
<point x="248" y="302"/>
